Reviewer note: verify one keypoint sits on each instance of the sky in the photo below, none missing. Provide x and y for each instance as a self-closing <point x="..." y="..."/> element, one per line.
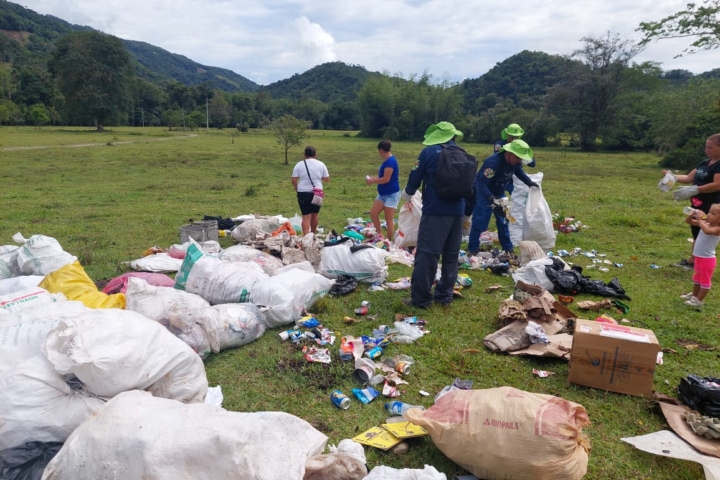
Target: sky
<point x="271" y="40"/>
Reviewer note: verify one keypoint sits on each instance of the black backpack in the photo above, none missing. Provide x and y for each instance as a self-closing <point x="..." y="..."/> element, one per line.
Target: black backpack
<point x="455" y="174"/>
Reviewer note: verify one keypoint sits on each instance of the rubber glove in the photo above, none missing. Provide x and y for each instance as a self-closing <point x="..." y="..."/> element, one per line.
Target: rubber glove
<point x="499" y="206"/>
<point x="685" y="192"/>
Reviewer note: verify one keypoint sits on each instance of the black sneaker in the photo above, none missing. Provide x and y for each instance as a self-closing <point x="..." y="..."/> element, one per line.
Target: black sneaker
<point x="684" y="264"/>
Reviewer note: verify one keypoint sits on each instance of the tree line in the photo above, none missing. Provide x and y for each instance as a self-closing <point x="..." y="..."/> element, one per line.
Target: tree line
<point x="597" y="97"/>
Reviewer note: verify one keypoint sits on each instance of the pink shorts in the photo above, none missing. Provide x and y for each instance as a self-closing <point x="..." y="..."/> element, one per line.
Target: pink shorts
<point x="704" y="268"/>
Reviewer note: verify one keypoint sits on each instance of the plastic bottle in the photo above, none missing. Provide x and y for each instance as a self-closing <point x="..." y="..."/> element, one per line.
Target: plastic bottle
<point x="688" y="210"/>
<point x="400" y="408"/>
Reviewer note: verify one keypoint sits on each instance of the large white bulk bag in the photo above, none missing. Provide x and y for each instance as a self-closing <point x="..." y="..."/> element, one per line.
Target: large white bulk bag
<point x="113" y="351"/>
<point x="366" y="265"/>
<point x="137" y="436"/>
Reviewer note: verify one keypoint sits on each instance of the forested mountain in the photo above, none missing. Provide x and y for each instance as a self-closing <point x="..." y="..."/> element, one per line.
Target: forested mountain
<point x="524" y="76"/>
<point x="329" y="82"/>
<point x="27" y="40"/>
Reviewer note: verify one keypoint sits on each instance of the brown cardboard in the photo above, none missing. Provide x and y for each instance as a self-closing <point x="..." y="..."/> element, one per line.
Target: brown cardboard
<point x="609" y="357"/>
<point x="558" y="347"/>
<point x="673" y="415"/>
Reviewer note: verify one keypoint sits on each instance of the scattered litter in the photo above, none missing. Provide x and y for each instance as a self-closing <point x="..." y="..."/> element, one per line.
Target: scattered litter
<point x="365" y="395"/>
<point x="402" y="283"/>
<point x="494" y="288"/>
<point x="542" y="373"/>
<point x="536" y="333"/>
<point x="653" y="266"/>
<point x="313" y="354"/>
<point x="424" y="393"/>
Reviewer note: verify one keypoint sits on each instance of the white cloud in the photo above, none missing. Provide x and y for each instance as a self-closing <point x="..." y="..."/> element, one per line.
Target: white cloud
<point x="315" y="42"/>
<point x="271" y="40"/>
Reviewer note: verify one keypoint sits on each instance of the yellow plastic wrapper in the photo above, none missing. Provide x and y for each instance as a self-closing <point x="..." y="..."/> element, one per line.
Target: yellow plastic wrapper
<point x="72" y="281"/>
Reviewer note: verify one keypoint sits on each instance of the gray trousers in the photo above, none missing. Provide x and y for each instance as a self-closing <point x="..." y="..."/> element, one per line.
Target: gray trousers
<point x="438" y="235"/>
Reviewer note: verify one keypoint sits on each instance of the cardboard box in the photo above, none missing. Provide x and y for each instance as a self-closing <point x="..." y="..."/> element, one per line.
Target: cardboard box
<point x="613" y="357"/>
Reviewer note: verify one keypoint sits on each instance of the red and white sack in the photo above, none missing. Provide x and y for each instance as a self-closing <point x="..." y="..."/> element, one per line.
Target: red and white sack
<point x="504" y="432"/>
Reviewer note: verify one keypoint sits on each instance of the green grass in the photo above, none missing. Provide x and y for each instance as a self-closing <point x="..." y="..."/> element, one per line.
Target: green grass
<point x="107" y="204"/>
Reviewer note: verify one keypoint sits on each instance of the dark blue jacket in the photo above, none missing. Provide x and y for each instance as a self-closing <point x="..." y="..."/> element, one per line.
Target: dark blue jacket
<point x="424" y="173"/>
<point x="494" y="176"/>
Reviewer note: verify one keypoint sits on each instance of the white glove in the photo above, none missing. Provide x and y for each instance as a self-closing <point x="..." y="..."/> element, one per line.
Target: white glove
<point x="685" y="192"/>
<point x="501" y="202"/>
<point x="405" y="196"/>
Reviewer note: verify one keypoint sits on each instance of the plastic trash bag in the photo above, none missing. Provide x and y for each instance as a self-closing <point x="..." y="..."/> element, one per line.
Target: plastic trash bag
<point x="537" y="224"/>
<point x="387" y="473"/>
<point x="75" y="284"/>
<point x="120" y="284"/>
<point x="28" y="461"/>
<point x="518" y="203"/>
<point x="344" y="285"/>
<point x="40" y="255"/>
<point x="701" y="394"/>
<point x="409" y="222"/>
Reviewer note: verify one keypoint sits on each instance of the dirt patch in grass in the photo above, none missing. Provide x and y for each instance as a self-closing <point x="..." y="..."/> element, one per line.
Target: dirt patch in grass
<point x="318" y="375"/>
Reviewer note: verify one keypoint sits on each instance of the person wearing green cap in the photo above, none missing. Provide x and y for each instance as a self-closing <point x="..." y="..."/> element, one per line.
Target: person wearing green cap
<point x="440" y="232"/>
<point x="510" y="133"/>
<point x="491" y="184"/>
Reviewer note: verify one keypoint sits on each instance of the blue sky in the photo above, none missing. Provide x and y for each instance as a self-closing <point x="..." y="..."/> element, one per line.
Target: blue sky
<point x="267" y="41"/>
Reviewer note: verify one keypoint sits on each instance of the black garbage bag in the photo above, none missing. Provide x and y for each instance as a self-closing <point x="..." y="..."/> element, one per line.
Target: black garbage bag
<point x="28" y="461"/>
<point x="343" y="285"/>
<point x="573" y="282"/>
<point x="223" y="223"/>
<point x="701" y="394"/>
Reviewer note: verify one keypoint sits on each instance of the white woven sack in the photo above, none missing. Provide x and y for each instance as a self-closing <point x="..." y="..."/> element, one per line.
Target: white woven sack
<point x="40" y="255"/>
<point x="409" y="222"/>
<point x="366" y="265"/>
<point x="221" y="282"/>
<point x="137" y="436"/>
<point x="9" y="267"/>
<point x="113" y="351"/>
<point x="159" y="303"/>
<point x="288" y="295"/>
<point x="23" y="333"/>
<point x="38" y="405"/>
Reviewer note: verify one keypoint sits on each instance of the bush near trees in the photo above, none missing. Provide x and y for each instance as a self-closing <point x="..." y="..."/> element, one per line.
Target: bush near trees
<point x="593" y="98"/>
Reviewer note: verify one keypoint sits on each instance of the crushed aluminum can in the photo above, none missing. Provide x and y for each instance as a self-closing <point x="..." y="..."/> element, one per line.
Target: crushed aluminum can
<point x="340" y="400"/>
<point x="361" y="311"/>
<point x="374" y="352"/>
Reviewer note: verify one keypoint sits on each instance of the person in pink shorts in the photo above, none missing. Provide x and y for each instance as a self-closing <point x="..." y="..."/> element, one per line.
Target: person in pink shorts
<point x="704" y="252"/>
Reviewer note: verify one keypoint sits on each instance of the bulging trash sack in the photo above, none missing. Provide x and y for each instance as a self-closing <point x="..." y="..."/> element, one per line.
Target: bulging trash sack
<point x="217" y="328"/>
<point x="119" y="284"/>
<point x="243" y="253"/>
<point x="138" y="436"/>
<point x="72" y="281"/>
<point x="221" y="282"/>
<point x="22" y="334"/>
<point x="9" y="267"/>
<point x="508" y="433"/>
<point x="287" y="295"/>
<point x="537" y="224"/>
<point x="409" y="222"/>
<point x="37" y="404"/>
<point x="157" y="303"/>
<point x="366" y="264"/>
<point x="15" y="284"/>
<point x="40" y="255"/>
<point x="113" y="351"/>
<point x="27" y="299"/>
<point x="256" y="229"/>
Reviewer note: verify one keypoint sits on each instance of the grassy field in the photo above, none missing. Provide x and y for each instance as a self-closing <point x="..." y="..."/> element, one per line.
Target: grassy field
<point x="108" y="203"/>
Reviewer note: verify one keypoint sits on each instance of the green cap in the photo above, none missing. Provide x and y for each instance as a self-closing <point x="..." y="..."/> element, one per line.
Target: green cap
<point x="441" y="133"/>
<point x="519" y="148"/>
<point x="514" y="130"/>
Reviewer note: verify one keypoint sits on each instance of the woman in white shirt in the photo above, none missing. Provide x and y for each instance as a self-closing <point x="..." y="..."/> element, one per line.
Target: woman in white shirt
<point x="307" y="175"/>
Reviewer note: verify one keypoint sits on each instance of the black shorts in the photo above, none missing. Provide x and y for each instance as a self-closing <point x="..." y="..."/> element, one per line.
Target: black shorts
<point x="305" y="203"/>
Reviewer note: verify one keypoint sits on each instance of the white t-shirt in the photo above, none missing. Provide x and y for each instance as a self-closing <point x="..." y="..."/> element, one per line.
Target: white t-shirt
<point x="318" y="170"/>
